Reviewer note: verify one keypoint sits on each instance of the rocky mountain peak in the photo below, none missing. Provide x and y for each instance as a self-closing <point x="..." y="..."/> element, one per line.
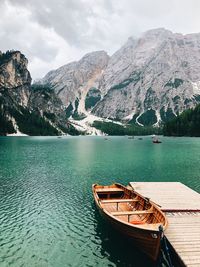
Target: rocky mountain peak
<point x="157" y="33"/>
<point x="94" y="58"/>
<point x="13" y="70"/>
<point x="72" y="81"/>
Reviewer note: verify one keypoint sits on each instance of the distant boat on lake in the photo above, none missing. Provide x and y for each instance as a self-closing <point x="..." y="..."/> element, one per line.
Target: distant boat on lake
<point x="135" y="216"/>
<point x="156" y="140"/>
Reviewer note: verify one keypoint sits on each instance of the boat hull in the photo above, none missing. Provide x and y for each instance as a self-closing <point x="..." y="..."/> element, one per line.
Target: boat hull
<point x="145" y="240"/>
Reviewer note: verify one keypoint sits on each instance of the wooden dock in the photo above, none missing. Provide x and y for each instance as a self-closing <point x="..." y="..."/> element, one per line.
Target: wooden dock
<point x="182" y="207"/>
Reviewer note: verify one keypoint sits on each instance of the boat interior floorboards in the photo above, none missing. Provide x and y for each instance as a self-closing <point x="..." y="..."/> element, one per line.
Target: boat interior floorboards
<point x="112" y="207"/>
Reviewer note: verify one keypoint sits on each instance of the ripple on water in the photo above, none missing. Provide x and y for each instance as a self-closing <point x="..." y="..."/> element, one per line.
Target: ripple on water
<point x="47" y="214"/>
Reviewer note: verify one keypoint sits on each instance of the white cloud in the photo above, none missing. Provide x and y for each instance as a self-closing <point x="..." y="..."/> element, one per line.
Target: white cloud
<point x="43" y="47"/>
<point x="54" y="32"/>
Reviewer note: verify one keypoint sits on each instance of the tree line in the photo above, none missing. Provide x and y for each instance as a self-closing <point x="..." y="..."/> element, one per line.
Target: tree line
<point x="111" y="128"/>
<point x="185" y="124"/>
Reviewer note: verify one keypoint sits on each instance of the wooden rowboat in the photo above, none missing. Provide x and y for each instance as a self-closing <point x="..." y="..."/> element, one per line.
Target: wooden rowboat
<point x="156" y="141"/>
<point x="133" y="215"/>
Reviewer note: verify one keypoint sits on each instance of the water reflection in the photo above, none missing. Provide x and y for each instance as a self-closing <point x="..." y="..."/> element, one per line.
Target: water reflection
<point x="113" y="244"/>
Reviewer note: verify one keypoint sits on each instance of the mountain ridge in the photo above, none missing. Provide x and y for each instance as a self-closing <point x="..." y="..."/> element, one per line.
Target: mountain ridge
<point x="147" y="81"/>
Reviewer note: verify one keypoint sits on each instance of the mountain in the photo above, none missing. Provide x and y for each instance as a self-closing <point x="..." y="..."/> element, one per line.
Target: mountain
<point x="155" y="77"/>
<point x="32" y="110"/>
<point x="72" y="82"/>
<point x="147" y="81"/>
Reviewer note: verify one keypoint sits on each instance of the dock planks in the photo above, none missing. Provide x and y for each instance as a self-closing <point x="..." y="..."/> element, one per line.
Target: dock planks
<point x="182" y="207"/>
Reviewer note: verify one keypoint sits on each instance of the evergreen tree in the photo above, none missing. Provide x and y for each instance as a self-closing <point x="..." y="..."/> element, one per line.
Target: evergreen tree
<point x="185" y="124"/>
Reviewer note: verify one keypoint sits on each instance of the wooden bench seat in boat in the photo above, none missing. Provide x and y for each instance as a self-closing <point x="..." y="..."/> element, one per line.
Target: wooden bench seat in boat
<point x="120" y="200"/>
<point x="137" y="212"/>
<point x="109" y="190"/>
<point x="131" y="212"/>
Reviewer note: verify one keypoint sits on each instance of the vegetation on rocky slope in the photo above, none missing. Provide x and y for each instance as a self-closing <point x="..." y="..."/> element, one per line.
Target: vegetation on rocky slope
<point x="6" y="126"/>
<point x="185" y="124"/>
<point x="31" y="123"/>
<point x="31" y="109"/>
<point x="111" y="128"/>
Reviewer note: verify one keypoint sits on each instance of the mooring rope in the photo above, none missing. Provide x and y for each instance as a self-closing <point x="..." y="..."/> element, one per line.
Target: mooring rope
<point x="165" y="246"/>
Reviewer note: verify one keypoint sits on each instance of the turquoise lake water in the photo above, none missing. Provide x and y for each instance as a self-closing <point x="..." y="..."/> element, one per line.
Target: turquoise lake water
<point x="47" y="214"/>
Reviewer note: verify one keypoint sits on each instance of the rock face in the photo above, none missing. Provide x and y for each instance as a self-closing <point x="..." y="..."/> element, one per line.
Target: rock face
<point x="33" y="110"/>
<point x="149" y="80"/>
<point x="15" y="78"/>
<point x="13" y="70"/>
<point x="72" y="81"/>
<point x="152" y="78"/>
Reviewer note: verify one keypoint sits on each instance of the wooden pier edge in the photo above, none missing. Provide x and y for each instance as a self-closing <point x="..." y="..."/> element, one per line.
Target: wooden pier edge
<point x="181" y="204"/>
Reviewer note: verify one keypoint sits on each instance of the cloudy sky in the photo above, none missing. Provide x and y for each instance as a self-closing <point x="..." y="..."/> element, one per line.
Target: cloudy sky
<point x="52" y="33"/>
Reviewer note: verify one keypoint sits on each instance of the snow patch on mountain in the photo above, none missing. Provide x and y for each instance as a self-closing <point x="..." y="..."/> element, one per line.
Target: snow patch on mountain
<point x="196" y="87"/>
<point x="85" y="125"/>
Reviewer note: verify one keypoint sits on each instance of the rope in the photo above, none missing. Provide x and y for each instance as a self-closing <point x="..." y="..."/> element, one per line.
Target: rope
<point x="165" y="246"/>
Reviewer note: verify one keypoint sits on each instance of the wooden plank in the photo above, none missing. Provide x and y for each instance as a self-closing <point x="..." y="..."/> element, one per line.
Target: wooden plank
<point x="119" y="213"/>
<point x="125" y="200"/>
<point x="109" y="190"/>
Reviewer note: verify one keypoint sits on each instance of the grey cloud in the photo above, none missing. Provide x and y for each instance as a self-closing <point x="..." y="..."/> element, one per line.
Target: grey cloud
<point x="54" y="32"/>
<point x="67" y="18"/>
<point x="16" y="34"/>
<point x="71" y="18"/>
